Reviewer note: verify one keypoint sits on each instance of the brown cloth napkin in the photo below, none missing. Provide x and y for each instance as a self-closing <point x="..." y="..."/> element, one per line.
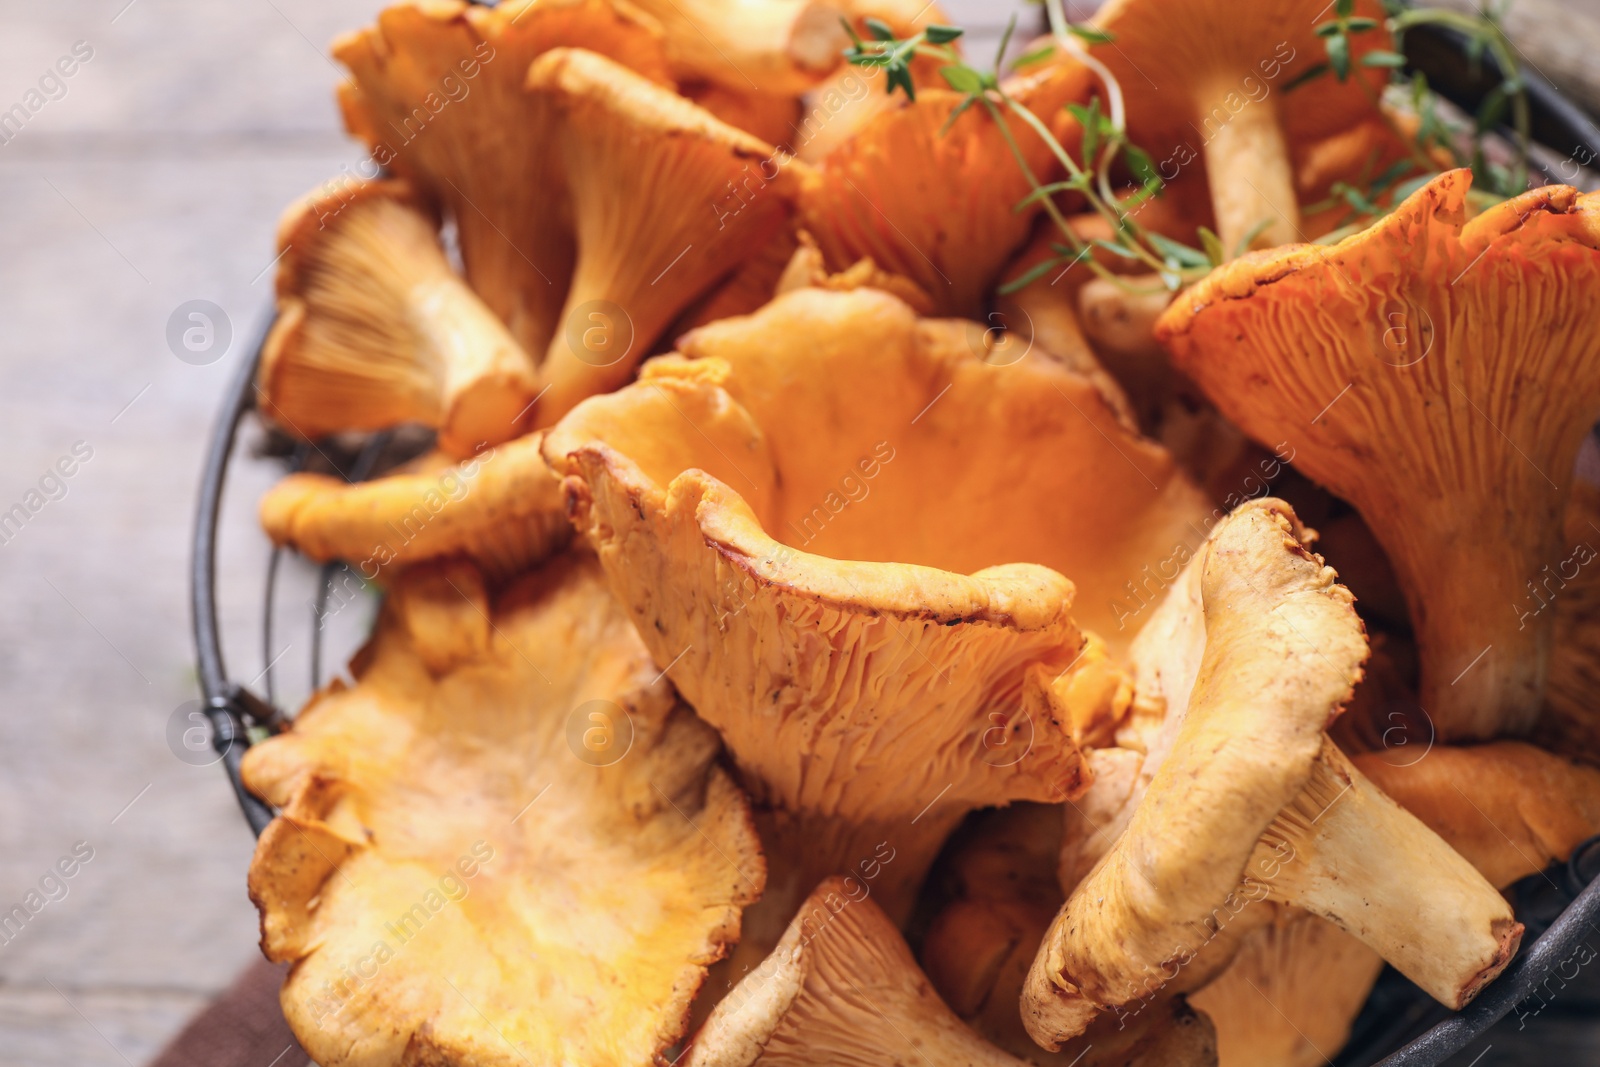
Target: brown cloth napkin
<point x="244" y="1027"/>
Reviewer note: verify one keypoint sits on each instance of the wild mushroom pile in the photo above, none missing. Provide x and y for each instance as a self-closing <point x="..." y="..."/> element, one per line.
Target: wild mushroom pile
<point x="917" y="563"/>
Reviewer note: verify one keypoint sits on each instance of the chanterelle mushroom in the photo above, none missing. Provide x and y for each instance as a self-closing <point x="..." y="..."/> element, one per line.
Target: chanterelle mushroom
<point x="1440" y="375"/>
<point x="666" y="199"/>
<point x="1220" y="93"/>
<point x="437" y="95"/>
<point x="502" y="509"/>
<point x="1511" y="809"/>
<point x="774" y="511"/>
<point x="374" y="328"/>
<point x="770" y="46"/>
<point x="1000" y="872"/>
<point x="931" y="197"/>
<point x="1254" y="803"/>
<point x="1290" y="994"/>
<point x="842" y="988"/>
<point x="508" y="843"/>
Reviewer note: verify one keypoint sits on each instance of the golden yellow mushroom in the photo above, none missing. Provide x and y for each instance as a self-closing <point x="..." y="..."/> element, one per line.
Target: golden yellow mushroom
<point x="1290" y="994"/>
<point x="1254" y="803"/>
<point x="374" y="328"/>
<point x="437" y="95"/>
<point x="768" y="46"/>
<point x="665" y="200"/>
<point x="1440" y="375"/>
<point x="842" y="988"/>
<point x="1508" y="807"/>
<point x="776" y="509"/>
<point x="507" y="843"/>
<point x="1221" y="97"/>
<point x="502" y="509"/>
<point x="934" y="198"/>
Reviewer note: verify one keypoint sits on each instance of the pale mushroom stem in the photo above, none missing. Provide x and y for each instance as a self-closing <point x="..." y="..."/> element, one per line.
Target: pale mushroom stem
<point x="1247" y="160"/>
<point x="485" y="373"/>
<point x="1485" y="644"/>
<point x="1343" y="850"/>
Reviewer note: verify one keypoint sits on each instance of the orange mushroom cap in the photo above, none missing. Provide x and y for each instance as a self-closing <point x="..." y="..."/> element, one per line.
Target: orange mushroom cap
<point x="461" y="873"/>
<point x="934" y="199"/>
<point x="375" y="329"/>
<point x="1440" y="375"/>
<point x="437" y="95"/>
<point x="665" y="199"/>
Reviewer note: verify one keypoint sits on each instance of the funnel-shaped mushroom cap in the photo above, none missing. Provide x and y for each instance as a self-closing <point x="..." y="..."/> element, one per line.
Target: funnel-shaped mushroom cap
<point x="797" y="474"/>
<point x="666" y="199"/>
<point x="771" y="46"/>
<point x="374" y="328"/>
<point x="437" y="94"/>
<point x="1508" y="807"/>
<point x="472" y="864"/>
<point x="1208" y="76"/>
<point x="842" y="988"/>
<point x="1291" y="993"/>
<point x="933" y="204"/>
<point x="1255" y="803"/>
<point x="502" y="509"/>
<point x="1440" y="375"/>
<point x="775" y="513"/>
<point x="1012" y="435"/>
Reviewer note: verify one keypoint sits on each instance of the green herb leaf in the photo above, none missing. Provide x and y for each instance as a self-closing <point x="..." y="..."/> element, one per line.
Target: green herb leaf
<point x="1031" y="275"/>
<point x="1177" y="254"/>
<point x="1250" y="236"/>
<point x="900" y="77"/>
<point x="1392" y="60"/>
<point x="1068" y="186"/>
<point x="1115" y="249"/>
<point x="879" y="29"/>
<point x="963" y="79"/>
<point x="1339" y="56"/>
<point x="1344" y="8"/>
<point x="1492" y="112"/>
<point x="1038" y="55"/>
<point x="1091" y="121"/>
<point x="1216" y="255"/>
<point x="942" y="34"/>
<point x="1359" y="25"/>
<point x="1140" y="164"/>
<point x="1090" y="35"/>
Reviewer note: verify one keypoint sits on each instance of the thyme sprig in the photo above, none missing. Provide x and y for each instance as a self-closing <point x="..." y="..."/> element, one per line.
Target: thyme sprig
<point x="1484" y="35"/>
<point x="1105" y="146"/>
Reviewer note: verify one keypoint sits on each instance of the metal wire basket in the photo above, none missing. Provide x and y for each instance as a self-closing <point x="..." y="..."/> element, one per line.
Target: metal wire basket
<point x="1399" y="1027"/>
